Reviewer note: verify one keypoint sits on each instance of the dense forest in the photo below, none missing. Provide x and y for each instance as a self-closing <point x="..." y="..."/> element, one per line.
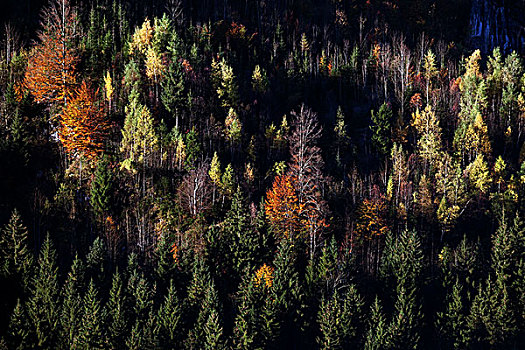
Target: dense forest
<point x="268" y="174"/>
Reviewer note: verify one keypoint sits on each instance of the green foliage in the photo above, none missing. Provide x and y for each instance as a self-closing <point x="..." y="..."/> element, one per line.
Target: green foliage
<point x="18" y="333"/>
<point x="117" y="313"/>
<point x="193" y="148"/>
<point x="381" y="129"/>
<point x="377" y="334"/>
<point x="43" y="303"/>
<point x="492" y="318"/>
<point x="71" y="308"/>
<point x="451" y="323"/>
<point x="102" y="188"/>
<point x="93" y="324"/>
<point x="15" y="257"/>
<point x="169" y="320"/>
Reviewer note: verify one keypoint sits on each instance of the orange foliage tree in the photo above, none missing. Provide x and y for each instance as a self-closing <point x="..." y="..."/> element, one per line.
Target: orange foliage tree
<point x="371" y="221"/>
<point x="50" y="73"/>
<point x="282" y="207"/>
<point x="83" y="124"/>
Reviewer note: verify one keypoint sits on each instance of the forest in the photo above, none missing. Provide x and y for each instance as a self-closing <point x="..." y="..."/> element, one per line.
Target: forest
<point x="265" y="174"/>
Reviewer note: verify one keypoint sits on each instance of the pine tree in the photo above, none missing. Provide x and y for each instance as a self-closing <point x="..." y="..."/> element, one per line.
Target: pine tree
<point x="451" y="323"/>
<point x="102" y="187"/>
<point x="17" y="333"/>
<point x="172" y="95"/>
<point x="377" y="334"/>
<point x="245" y="329"/>
<point x="381" y="129"/>
<point x="329" y="319"/>
<point x="238" y="230"/>
<point x="287" y="293"/>
<point x="352" y="317"/>
<point x="96" y="259"/>
<point x="164" y="256"/>
<point x="406" y="263"/>
<point x="117" y="318"/>
<point x="193" y="148"/>
<point x="16" y="258"/>
<point x="492" y="319"/>
<point x="169" y="320"/>
<point x="93" y="326"/>
<point x="71" y="312"/>
<point x="228" y="181"/>
<point x="198" y="336"/>
<point x="42" y="306"/>
<point x="213" y="332"/>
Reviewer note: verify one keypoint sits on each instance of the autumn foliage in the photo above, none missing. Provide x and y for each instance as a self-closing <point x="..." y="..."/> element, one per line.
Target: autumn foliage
<point x="264" y="276"/>
<point x="372" y="218"/>
<point x="51" y="65"/>
<point x="83" y="124"/>
<point x="282" y="207"/>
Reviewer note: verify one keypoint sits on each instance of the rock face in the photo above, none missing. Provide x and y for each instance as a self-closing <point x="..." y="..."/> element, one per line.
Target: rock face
<point x="496" y="23"/>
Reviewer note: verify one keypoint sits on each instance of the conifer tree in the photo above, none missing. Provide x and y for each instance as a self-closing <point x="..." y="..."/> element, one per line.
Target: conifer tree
<point x="381" y="129"/>
<point x="377" y="333"/>
<point x="71" y="308"/>
<point x="213" y="332"/>
<point x="42" y="305"/>
<point x="16" y="258"/>
<point x="17" y="333"/>
<point x="169" y="320"/>
<point x="203" y="329"/>
<point x="239" y="231"/>
<point x="246" y="328"/>
<point x="329" y="319"/>
<point x="172" y="95"/>
<point x="102" y="187"/>
<point x="451" y="323"/>
<point x="93" y="326"/>
<point x="117" y="317"/>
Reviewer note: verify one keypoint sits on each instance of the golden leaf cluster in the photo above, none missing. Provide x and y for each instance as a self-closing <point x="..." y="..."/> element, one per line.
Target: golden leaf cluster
<point x="264" y="276"/>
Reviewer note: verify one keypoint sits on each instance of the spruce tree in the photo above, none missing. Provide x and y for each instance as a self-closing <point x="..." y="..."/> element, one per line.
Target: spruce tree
<point x="70" y="314"/>
<point x="329" y="319"/>
<point x="42" y="306"/>
<point x="93" y="326"/>
<point x="17" y="333"/>
<point x="169" y="320"/>
<point x="377" y="333"/>
<point x="381" y="129"/>
<point x="117" y="318"/>
<point x="451" y="323"/>
<point x="15" y="256"/>
<point x="213" y="332"/>
<point x="101" y="187"/>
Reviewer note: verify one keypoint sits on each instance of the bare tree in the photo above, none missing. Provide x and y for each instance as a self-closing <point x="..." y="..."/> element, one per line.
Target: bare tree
<point x="401" y="66"/>
<point x="195" y="190"/>
<point x="306" y="170"/>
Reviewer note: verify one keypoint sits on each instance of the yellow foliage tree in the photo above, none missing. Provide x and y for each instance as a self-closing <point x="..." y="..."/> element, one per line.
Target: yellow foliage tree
<point x="141" y="38"/>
